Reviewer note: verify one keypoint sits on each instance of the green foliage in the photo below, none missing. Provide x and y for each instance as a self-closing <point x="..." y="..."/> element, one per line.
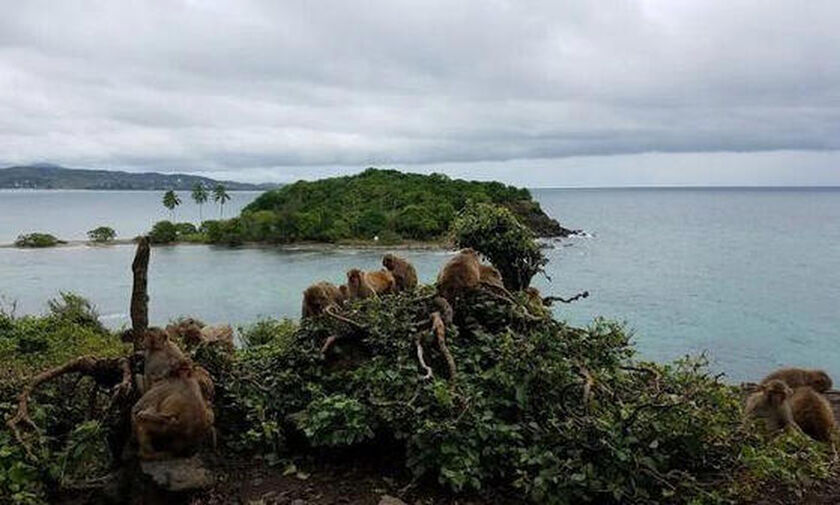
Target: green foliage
<point x="496" y="233"/>
<point x="101" y="234"/>
<point x="69" y="447"/>
<point x="37" y="240"/>
<point x="516" y="417"/>
<point x="278" y="332"/>
<point x="163" y="232"/>
<point x="184" y="229"/>
<point x="383" y="203"/>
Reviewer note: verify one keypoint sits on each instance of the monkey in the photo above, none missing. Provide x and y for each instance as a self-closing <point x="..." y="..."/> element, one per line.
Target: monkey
<point x="205" y="382"/>
<point x="404" y="273"/>
<point x="161" y="357"/>
<point x="812" y="413"/>
<point x="369" y="284"/>
<point x="221" y="334"/>
<point x="173" y="417"/>
<point x="461" y="273"/>
<point x="798" y="377"/>
<point x="801" y="408"/>
<point x="318" y="297"/>
<point x="490" y="276"/>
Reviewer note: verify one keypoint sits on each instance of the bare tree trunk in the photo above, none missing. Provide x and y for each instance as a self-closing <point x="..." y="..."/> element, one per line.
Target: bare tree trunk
<point x="139" y="293"/>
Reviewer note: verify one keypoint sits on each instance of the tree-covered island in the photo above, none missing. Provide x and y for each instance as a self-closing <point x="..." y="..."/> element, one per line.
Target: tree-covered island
<point x="375" y="206"/>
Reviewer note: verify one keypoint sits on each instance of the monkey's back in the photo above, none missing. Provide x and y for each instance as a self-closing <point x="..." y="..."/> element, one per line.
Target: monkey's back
<point x="812" y="413"/>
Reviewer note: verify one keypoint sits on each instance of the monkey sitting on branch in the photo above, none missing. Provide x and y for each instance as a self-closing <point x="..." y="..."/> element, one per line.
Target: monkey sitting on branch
<point x="173" y="417"/>
<point x="405" y="276"/>
<point x="369" y="284"/>
<point x="782" y="408"/>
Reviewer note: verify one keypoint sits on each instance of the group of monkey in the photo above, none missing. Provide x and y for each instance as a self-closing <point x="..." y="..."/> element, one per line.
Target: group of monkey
<point x="174" y="415"/>
<point x="462" y="272"/>
<point x="793" y="398"/>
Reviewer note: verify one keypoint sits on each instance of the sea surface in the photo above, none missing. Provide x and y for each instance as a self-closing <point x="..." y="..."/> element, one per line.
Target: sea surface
<point x="749" y="276"/>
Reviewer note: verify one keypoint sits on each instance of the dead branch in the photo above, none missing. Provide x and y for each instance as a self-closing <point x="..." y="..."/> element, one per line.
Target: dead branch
<point x="588" y="382"/>
<point x="101" y="369"/>
<point x="423" y="364"/>
<point x="439" y="330"/>
<point x="330" y="311"/>
<point x="549" y="300"/>
<point x="328" y="343"/>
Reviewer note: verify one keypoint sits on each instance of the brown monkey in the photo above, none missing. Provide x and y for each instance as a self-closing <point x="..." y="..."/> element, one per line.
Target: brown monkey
<point x="188" y="330"/>
<point x="173" y="417"/>
<point x="404" y="273"/>
<point x="461" y="273"/>
<point x="801" y="408"/>
<point x="770" y="403"/>
<point x="491" y="276"/>
<point x="798" y="377"/>
<point x="369" y="284"/>
<point x="162" y="356"/>
<point x="812" y="413"/>
<point x="221" y="334"/>
<point x="205" y="382"/>
<point x="318" y="297"/>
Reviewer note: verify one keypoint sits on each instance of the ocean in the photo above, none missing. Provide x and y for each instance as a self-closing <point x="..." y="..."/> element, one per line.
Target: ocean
<point x="750" y="276"/>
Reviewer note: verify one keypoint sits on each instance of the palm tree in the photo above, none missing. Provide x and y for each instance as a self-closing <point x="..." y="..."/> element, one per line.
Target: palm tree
<point x="220" y="195"/>
<point x="200" y="195"/>
<point x="170" y="201"/>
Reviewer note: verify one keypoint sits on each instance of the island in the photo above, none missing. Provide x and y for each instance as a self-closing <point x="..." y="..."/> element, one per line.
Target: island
<point x="48" y="176"/>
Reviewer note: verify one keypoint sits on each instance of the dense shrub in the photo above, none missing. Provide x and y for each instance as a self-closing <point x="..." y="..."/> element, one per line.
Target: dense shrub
<point x="37" y="240"/>
<point x="497" y="234"/>
<point x="163" y="232"/>
<point x="185" y="229"/>
<point x="101" y="234"/>
<point x="516" y="417"/>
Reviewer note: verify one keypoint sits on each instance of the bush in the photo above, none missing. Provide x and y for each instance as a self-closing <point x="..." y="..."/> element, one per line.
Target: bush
<point x="268" y="331"/>
<point x="101" y="234"/>
<point x="163" y="232"/>
<point x="496" y="233"/>
<point x="185" y="229"/>
<point x="37" y="240"/>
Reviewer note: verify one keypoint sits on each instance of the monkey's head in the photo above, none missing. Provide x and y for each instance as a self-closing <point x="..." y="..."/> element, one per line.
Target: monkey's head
<point x="468" y="251"/>
<point x="154" y="339"/>
<point x="354" y="277"/>
<point x="820" y="381"/>
<point x="776" y="392"/>
<point x="388" y="261"/>
<point x="345" y="293"/>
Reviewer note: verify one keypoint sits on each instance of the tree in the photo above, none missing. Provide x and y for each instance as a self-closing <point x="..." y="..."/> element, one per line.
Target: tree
<point x="220" y="196"/>
<point x="495" y="232"/>
<point x="200" y="195"/>
<point x="170" y="201"/>
<point x="102" y="234"/>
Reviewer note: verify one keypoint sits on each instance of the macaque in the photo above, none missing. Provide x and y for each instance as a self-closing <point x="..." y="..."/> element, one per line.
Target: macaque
<point x="318" y="297"/>
<point x="221" y="334"/>
<point x="491" y="276"/>
<point x="461" y="273"/>
<point x="188" y="330"/>
<point x="173" y="417"/>
<point x="801" y="408"/>
<point x="404" y="273"/>
<point x="205" y="382"/>
<point x="798" y="377"/>
<point x="162" y="356"/>
<point x="369" y="284"/>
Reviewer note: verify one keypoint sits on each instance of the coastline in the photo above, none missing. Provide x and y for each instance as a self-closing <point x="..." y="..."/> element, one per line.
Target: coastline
<point x="297" y="246"/>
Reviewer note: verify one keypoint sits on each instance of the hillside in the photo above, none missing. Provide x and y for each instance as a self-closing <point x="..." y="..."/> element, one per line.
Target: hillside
<point x="388" y="203"/>
<point x="56" y="177"/>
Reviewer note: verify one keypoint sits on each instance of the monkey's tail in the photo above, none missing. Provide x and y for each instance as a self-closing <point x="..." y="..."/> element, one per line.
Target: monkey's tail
<point x="549" y="300"/>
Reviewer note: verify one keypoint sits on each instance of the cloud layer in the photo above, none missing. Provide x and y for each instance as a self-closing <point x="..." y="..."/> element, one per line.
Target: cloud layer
<point x="253" y="87"/>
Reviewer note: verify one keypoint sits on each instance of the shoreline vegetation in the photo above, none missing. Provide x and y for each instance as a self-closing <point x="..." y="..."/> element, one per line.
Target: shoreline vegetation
<point x="376" y="208"/>
<point x="462" y="390"/>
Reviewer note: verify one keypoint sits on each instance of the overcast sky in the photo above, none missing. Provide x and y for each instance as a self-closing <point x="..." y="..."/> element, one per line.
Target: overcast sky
<point x="542" y="93"/>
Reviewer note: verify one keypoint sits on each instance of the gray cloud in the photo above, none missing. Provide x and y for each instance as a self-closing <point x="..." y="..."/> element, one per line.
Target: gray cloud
<point x="270" y="88"/>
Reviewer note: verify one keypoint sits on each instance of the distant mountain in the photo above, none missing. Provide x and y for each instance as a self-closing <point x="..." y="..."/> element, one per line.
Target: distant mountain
<point x="44" y="176"/>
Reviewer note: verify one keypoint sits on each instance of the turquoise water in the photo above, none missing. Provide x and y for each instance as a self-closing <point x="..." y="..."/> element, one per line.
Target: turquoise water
<point x="751" y="276"/>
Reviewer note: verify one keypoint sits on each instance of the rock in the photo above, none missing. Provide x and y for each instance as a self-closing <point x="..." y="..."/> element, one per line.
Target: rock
<point x="390" y="500"/>
<point x="176" y="475"/>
